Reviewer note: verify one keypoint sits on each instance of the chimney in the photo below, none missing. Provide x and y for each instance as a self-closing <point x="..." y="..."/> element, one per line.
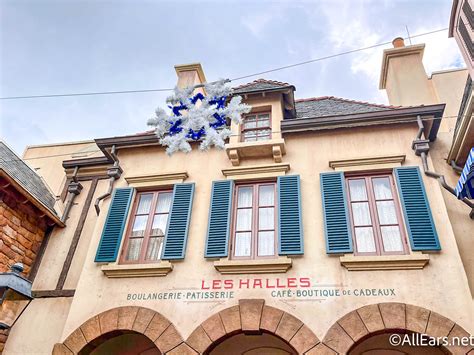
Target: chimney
<point x="403" y="75"/>
<point x="190" y="74"/>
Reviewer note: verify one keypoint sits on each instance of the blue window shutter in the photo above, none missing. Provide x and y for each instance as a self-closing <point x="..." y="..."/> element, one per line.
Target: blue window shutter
<point x="218" y="231"/>
<point x="418" y="218"/>
<point x="337" y="228"/>
<point x="178" y="222"/>
<point x="290" y="229"/>
<point x="114" y="225"/>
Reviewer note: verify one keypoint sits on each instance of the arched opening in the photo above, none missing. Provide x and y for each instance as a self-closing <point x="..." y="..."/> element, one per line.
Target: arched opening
<point x="121" y="343"/>
<point x="252" y="344"/>
<point x="379" y="344"/>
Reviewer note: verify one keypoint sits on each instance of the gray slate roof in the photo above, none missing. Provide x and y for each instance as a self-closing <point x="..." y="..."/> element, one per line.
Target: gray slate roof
<point x="260" y="85"/>
<point x="18" y="170"/>
<point x="334" y="106"/>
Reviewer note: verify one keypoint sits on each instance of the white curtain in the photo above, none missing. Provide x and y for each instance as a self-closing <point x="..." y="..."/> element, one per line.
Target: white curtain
<point x="392" y="240"/>
<point x="382" y="188"/>
<point x="266" y="218"/>
<point x="266" y="243"/>
<point x="245" y="197"/>
<point x="387" y="213"/>
<point x="357" y="190"/>
<point x="242" y="244"/>
<point x="164" y="202"/>
<point x="144" y="204"/>
<point x="361" y="214"/>
<point x="155" y="246"/>
<point x="365" y="240"/>
<point x="159" y="225"/>
<point x="266" y="195"/>
<point x="134" y="247"/>
<point x="244" y="219"/>
<point x="139" y="226"/>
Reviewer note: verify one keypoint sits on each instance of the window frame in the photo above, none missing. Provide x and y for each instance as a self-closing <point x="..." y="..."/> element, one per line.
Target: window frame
<point x="254" y="224"/>
<point x="256" y="114"/>
<point x="376" y="225"/>
<point x="147" y="234"/>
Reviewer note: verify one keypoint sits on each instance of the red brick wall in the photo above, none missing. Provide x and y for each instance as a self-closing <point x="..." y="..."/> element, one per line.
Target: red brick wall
<point x="21" y="234"/>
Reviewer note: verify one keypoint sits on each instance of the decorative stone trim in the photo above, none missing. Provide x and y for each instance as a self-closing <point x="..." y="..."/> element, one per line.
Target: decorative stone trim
<point x="256" y="171"/>
<point x="138" y="319"/>
<point x="260" y="266"/>
<point x="368" y="163"/>
<point x="254" y="317"/>
<point x="274" y="148"/>
<point x="384" y="262"/>
<point x="137" y="270"/>
<point x="376" y="318"/>
<point x="156" y="179"/>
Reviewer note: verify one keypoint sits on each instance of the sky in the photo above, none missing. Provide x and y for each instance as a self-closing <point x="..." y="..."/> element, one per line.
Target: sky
<point x="55" y="47"/>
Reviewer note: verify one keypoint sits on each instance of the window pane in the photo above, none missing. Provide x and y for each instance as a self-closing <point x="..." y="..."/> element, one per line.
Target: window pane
<point x="242" y="244"/>
<point x="386" y="212"/>
<point x="365" y="240"/>
<point x="264" y="132"/>
<point x="382" y="189"/>
<point x="244" y="219"/>
<point x="250" y="136"/>
<point x="357" y="190"/>
<point x="361" y="214"/>
<point x="159" y="224"/>
<point x="245" y="197"/>
<point x="392" y="240"/>
<point x="250" y="122"/>
<point x="134" y="247"/>
<point x="266" y="196"/>
<point x="266" y="243"/>
<point x="263" y="123"/>
<point x="263" y="116"/>
<point x="155" y="247"/>
<point x="144" y="204"/>
<point x="139" y="226"/>
<point x="266" y="218"/>
<point x="164" y="202"/>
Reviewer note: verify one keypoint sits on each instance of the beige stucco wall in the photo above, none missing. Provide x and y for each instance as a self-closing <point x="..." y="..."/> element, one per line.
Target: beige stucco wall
<point x="308" y="154"/>
<point x="406" y="85"/>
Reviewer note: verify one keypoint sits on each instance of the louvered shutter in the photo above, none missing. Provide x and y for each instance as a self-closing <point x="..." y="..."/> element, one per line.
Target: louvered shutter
<point x="178" y="222"/>
<point x="114" y="225"/>
<point x="290" y="229"/>
<point x="337" y="228"/>
<point x="418" y="218"/>
<point x="219" y="219"/>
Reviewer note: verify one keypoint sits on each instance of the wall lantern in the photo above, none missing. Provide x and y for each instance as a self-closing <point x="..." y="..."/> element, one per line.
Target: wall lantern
<point x="15" y="295"/>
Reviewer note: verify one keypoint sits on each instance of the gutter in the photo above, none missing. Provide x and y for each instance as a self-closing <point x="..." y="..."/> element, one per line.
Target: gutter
<point x="114" y="173"/>
<point x="421" y="148"/>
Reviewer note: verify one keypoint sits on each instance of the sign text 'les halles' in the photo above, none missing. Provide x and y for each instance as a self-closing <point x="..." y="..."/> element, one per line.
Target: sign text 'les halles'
<point x="290" y="282"/>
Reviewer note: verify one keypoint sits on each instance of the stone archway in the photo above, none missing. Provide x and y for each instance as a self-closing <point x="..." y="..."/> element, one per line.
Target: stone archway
<point x="252" y="316"/>
<point x="354" y="327"/>
<point x="138" y="320"/>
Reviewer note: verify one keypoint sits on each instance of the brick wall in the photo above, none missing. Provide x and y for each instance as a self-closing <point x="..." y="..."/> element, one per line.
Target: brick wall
<point x="21" y="234"/>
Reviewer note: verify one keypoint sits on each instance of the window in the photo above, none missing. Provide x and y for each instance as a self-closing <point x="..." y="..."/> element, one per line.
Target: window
<point x="144" y="241"/>
<point x="254" y="221"/>
<point x="377" y="227"/>
<point x="256" y="127"/>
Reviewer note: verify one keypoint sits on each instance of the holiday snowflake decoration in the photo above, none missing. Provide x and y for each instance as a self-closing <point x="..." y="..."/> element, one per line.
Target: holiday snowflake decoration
<point x="192" y="121"/>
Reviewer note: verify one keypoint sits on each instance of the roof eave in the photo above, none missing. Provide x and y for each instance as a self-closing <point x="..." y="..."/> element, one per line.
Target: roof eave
<point x="37" y="203"/>
<point x="396" y="116"/>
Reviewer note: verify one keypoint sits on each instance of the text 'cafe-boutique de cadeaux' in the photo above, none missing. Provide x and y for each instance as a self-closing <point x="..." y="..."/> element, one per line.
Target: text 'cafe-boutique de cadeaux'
<point x="315" y="231"/>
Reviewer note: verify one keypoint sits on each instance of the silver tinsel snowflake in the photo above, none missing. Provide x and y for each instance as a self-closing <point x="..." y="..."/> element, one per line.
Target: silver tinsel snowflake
<point x="198" y="118"/>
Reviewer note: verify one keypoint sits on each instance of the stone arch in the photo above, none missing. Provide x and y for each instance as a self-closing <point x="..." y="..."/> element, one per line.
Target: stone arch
<point x="252" y="316"/>
<point x="374" y="319"/>
<point x="135" y="319"/>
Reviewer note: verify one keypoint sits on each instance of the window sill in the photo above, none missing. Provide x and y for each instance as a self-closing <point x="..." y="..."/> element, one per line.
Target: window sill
<point x="137" y="270"/>
<point x="385" y="262"/>
<point x="274" y="148"/>
<point x="262" y="266"/>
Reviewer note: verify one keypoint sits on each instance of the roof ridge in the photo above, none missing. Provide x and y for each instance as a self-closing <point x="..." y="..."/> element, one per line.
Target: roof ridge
<point x="261" y="80"/>
<point x="345" y="100"/>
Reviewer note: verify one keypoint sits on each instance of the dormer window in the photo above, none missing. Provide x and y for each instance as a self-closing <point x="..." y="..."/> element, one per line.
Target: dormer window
<point x="256" y="127"/>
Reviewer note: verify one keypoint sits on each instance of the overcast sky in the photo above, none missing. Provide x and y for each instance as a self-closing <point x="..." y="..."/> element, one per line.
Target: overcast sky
<point x="53" y="47"/>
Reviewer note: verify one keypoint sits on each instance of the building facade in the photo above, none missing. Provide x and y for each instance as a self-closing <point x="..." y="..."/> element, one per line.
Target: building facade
<point x="315" y="231"/>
